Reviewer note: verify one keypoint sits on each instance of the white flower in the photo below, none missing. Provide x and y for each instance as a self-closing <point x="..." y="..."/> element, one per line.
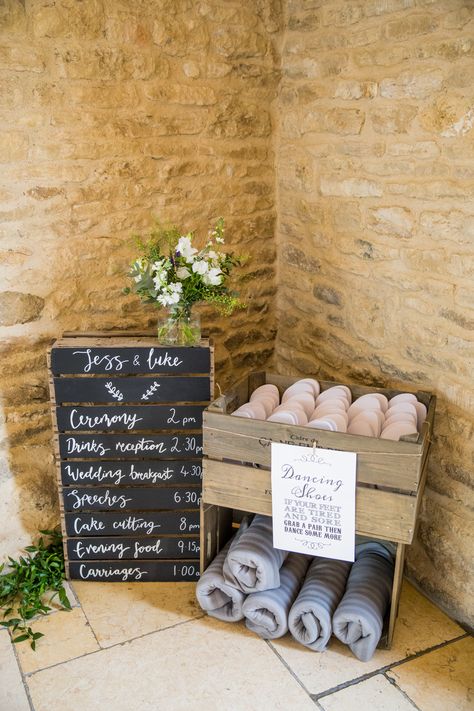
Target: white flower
<point x="174" y="297"/>
<point x="212" y="255"/>
<point x="183" y="273"/>
<point x="176" y="287"/>
<point x="185" y="248"/>
<point x="159" y="280"/>
<point x="220" y="240"/>
<point x="213" y="277"/>
<point x="200" y="267"/>
<point x="163" y="299"/>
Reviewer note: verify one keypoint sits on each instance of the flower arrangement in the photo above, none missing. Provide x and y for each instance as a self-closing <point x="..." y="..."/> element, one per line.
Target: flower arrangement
<point x="172" y="273"/>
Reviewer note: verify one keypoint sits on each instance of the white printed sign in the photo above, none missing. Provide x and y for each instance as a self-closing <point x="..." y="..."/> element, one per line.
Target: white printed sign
<point x="313" y="500"/>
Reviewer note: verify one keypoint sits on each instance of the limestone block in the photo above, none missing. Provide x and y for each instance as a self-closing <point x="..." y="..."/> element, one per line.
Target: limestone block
<point x="349" y="90"/>
<point x="303" y="21"/>
<point x="387" y="56"/>
<point x="374" y="8"/>
<point x="342" y="14"/>
<point x="295" y="257"/>
<point x="68" y="20"/>
<point x="393" y="221"/>
<point x="351" y="187"/>
<point x="393" y="119"/>
<point x="180" y="37"/>
<point x="451" y="50"/>
<point x="412" y="85"/>
<point x="335" y="120"/>
<point x="183" y="94"/>
<point x="237" y="43"/>
<point x="16" y="307"/>
<point x="21" y="59"/>
<point x="418" y="149"/>
<point x="191" y="70"/>
<point x="328" y="295"/>
<point x="235" y="118"/>
<point x="452" y="225"/>
<point x="411" y="25"/>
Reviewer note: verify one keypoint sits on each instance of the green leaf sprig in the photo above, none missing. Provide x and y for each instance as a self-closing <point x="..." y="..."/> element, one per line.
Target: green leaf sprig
<point x="28" y="580"/>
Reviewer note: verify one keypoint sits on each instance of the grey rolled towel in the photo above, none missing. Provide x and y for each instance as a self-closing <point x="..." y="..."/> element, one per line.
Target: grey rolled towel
<point x="214" y="595"/>
<point x="358" y="620"/>
<point x="310" y="617"/>
<point x="254" y="564"/>
<point x="266" y="612"/>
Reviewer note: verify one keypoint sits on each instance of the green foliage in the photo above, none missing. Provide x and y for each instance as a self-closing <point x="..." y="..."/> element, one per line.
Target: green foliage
<point x="171" y="272"/>
<point x="24" y="586"/>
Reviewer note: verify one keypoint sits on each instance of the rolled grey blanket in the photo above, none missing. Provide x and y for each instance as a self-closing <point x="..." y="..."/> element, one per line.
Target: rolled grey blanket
<point x="310" y="617"/>
<point x="358" y="620"/>
<point x="254" y="564"/>
<point x="266" y="612"/>
<point x="214" y="595"/>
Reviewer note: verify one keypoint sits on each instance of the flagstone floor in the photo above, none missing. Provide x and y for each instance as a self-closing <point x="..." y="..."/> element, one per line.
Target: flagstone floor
<point x="148" y="647"/>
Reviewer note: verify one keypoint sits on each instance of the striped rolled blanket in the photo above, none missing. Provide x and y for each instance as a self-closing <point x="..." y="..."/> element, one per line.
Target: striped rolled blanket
<point x="310" y="617"/>
<point x="254" y="564"/>
<point x="358" y="620"/>
<point x="214" y="595"/>
<point x="266" y="612"/>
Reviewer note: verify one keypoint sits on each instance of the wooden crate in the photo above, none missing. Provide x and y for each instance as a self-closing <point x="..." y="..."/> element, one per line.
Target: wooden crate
<point x="117" y="392"/>
<point x="236" y="471"/>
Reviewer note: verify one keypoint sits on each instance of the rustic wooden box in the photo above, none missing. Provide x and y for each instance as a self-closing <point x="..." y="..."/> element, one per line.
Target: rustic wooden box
<point x="236" y="471"/>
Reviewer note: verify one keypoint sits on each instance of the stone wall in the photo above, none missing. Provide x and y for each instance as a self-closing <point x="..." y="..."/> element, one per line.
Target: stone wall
<point x="376" y="231"/>
<point x="111" y="112"/>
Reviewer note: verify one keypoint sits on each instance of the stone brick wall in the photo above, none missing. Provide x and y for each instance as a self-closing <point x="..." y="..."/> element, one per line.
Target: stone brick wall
<point x="110" y="112"/>
<point x="376" y="231"/>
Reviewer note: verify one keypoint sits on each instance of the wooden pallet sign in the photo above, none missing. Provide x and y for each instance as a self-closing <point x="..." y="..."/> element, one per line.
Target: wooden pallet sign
<point x="127" y="417"/>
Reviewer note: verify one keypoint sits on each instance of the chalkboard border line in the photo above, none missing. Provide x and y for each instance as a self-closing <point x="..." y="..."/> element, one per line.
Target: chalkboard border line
<point x="195" y="431"/>
<point x="144" y="537"/>
<point x="166" y="485"/>
<point x="129" y="459"/>
<point x="125" y="376"/>
<point x="129" y="511"/>
<point x="133" y="560"/>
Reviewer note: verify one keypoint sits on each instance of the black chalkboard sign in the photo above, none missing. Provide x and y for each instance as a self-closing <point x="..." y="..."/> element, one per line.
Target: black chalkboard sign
<point x="140" y="498"/>
<point x="135" y="571"/>
<point x="142" y="446"/>
<point x="126" y="418"/>
<point x="100" y="360"/>
<point x="140" y="389"/>
<point x="137" y="548"/>
<point x="127" y="414"/>
<point x="150" y="523"/>
<point x="133" y="473"/>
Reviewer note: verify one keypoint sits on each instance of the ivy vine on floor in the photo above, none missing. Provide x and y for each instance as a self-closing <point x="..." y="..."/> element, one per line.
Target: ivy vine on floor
<point x="28" y="580"/>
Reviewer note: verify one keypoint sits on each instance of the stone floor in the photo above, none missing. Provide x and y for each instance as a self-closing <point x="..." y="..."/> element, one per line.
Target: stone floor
<point x="148" y="647"/>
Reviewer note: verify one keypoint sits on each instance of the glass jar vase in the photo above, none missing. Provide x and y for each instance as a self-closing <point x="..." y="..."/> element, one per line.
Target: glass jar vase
<point x="179" y="327"/>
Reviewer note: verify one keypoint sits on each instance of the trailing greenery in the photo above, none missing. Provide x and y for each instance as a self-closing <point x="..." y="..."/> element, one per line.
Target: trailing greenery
<point x="27" y="581"/>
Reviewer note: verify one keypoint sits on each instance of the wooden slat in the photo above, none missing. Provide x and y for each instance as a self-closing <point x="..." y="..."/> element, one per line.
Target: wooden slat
<point x="381" y="514"/>
<point x="118" y="548"/>
<point x="128" y="359"/>
<point x="130" y="446"/>
<point x="150" y="523"/>
<point x="379" y="462"/>
<point x="396" y="589"/>
<point x="123" y="418"/>
<point x="135" y="571"/>
<point x="143" y="389"/>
